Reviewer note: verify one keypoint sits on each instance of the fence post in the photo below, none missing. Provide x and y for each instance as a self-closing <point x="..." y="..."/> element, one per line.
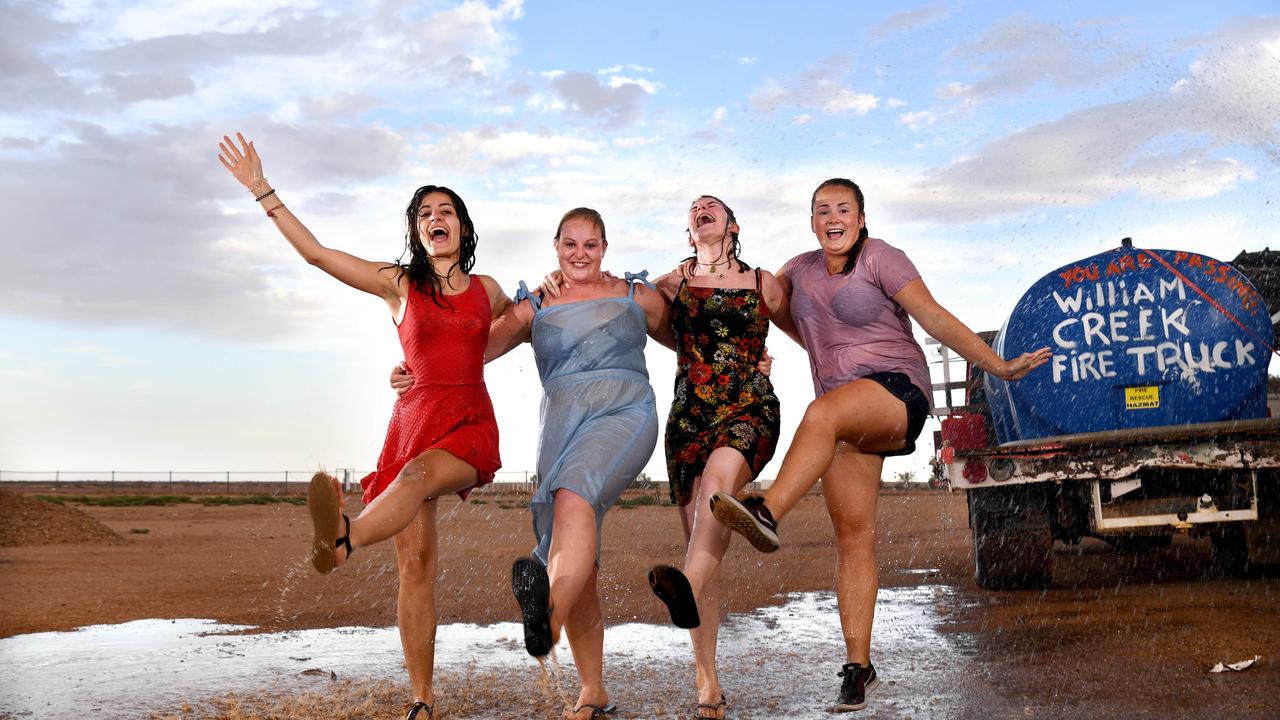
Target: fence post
<point x="170" y="482"/>
<point x="228" y="482"/>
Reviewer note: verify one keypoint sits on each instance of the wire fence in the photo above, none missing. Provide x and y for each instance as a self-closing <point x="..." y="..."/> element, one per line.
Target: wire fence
<point x="231" y="481"/>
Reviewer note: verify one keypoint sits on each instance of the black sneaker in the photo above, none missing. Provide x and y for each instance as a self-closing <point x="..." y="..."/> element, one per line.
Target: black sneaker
<point x="749" y="517"/>
<point x="858" y="680"/>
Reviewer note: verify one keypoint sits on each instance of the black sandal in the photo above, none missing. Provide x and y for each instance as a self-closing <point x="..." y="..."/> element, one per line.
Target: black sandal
<point x="713" y="707"/>
<point x="672" y="588"/>
<point x="323" y="501"/>
<point x="417" y="707"/>
<point x="598" y="712"/>
<point x="532" y="588"/>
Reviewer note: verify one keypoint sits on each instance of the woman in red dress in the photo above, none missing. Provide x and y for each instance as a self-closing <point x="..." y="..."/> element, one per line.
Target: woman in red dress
<point x="443" y="437"/>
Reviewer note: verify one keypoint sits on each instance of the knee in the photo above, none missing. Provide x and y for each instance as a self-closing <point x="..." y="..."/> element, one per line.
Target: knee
<point x="819" y="414"/>
<point x="856" y="539"/>
<point x="417" y="568"/>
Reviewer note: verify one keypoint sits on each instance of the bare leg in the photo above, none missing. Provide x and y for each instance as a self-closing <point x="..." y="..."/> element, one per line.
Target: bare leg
<point x="585" y="627"/>
<point x="851" y="488"/>
<point x="428" y="476"/>
<point x="571" y="560"/>
<point x="417" y="560"/>
<point x="861" y="413"/>
<point x="727" y="471"/>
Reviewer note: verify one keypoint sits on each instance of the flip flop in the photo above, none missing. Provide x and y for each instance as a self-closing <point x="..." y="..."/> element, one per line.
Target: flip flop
<point x="418" y="707"/>
<point x="532" y="589"/>
<point x="325" y="505"/>
<point x="713" y="707"/>
<point x="598" y="712"/>
<point x="672" y="588"/>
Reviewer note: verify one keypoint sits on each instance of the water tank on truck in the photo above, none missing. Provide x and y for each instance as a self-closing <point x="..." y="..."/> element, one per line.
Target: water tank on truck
<point x="1140" y="338"/>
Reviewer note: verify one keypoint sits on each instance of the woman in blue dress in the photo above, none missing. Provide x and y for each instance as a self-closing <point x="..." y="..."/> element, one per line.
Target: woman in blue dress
<point x="599" y="428"/>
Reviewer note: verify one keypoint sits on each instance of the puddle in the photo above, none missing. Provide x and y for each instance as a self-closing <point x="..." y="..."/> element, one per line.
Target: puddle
<point x="786" y="656"/>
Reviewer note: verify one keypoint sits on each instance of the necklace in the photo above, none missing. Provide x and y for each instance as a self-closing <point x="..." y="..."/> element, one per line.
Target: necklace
<point x="719" y="275"/>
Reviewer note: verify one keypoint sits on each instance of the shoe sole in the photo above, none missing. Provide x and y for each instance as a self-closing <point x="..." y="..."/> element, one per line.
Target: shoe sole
<point x="673" y="589"/>
<point x="734" y="515"/>
<point x="325" y="506"/>
<point x="532" y="589"/>
<point x="853" y="708"/>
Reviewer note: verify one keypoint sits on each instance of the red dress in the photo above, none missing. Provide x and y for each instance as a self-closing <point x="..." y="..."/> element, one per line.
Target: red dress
<point x="448" y="407"/>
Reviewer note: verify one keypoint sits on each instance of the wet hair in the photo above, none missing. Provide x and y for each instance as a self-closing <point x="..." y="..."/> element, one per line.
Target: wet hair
<point x="422" y="274"/>
<point x="852" y="260"/>
<point x="735" y="247"/>
<point x="584" y="213"/>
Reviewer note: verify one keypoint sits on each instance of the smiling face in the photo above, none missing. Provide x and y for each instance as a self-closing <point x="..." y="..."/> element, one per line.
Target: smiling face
<point x="580" y="249"/>
<point x="710" y="220"/>
<point x="837" y="219"/>
<point x="439" y="228"/>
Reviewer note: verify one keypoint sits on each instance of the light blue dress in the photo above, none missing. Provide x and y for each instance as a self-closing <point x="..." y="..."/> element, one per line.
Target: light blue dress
<point x="599" y="418"/>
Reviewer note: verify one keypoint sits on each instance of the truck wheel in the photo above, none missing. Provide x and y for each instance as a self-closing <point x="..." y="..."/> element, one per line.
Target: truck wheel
<point x="1012" y="540"/>
<point x="1230" y="554"/>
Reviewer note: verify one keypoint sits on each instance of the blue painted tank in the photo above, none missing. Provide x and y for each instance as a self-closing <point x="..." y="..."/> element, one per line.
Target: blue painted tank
<point x="1140" y="338"/>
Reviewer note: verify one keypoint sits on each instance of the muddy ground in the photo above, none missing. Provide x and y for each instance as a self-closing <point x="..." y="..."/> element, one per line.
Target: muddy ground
<point x="1119" y="635"/>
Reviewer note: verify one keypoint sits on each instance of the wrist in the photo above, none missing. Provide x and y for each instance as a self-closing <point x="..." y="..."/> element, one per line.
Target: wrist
<point x="258" y="186"/>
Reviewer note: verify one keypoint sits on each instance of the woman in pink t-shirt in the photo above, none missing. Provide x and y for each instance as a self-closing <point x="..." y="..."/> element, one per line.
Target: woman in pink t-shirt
<point x="853" y="300"/>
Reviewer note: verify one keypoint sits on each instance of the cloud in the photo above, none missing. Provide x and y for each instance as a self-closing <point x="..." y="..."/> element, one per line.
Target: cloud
<point x="585" y="96"/>
<point x="1177" y="144"/>
<point x="487" y="149"/>
<point x="909" y="20"/>
<point x="127" y="229"/>
<point x="1018" y="53"/>
<point x="820" y="87"/>
<point x="915" y="120"/>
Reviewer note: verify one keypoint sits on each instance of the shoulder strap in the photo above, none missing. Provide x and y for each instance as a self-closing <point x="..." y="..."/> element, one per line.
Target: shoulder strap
<point x="523" y="294"/>
<point x="631" y="278"/>
<point x="758" y="281"/>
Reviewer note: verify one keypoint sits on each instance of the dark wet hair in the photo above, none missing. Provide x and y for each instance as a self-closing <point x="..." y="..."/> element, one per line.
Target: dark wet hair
<point x="584" y="213"/>
<point x="422" y="275"/>
<point x="852" y="260"/>
<point x="735" y="247"/>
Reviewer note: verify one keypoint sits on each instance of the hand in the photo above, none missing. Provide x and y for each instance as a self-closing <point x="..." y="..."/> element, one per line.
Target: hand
<point x="686" y="269"/>
<point x="242" y="162"/>
<point x="765" y="366"/>
<point x="552" y="282"/>
<point x="401" y="379"/>
<point x="1018" y="367"/>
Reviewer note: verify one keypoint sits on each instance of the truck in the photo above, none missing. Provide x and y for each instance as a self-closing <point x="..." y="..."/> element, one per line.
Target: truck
<point x="1155" y="415"/>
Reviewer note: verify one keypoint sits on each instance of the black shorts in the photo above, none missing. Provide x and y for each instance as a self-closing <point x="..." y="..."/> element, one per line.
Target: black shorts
<point x="901" y="387"/>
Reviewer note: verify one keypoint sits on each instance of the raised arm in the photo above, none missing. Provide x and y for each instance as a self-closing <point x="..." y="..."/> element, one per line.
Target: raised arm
<point x="934" y="319"/>
<point x="374" y="278"/>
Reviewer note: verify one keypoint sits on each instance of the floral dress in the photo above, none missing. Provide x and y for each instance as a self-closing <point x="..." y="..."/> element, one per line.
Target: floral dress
<point x="721" y="398"/>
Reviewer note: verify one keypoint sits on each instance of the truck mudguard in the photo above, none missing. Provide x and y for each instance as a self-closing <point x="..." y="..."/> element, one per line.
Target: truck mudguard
<point x="1140" y="338"/>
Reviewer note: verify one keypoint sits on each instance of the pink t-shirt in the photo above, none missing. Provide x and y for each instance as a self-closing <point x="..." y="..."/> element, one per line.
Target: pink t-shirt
<point x="850" y="324"/>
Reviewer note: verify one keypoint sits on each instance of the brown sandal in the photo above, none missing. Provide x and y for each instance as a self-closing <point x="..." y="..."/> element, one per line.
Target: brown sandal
<point x="324" y="502"/>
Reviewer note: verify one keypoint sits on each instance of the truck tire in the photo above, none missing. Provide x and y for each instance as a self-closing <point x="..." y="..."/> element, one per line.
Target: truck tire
<point x="1012" y="538"/>
<point x="1230" y="552"/>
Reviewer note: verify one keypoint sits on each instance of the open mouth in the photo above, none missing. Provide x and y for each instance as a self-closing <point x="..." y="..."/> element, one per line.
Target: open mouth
<point x="439" y="234"/>
<point x="835" y="234"/>
<point x="704" y="219"/>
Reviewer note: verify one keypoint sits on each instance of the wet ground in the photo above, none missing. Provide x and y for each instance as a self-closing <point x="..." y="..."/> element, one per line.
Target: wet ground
<point x="1120" y="635"/>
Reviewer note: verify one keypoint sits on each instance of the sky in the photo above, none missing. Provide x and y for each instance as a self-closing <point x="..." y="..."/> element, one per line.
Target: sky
<point x="153" y="319"/>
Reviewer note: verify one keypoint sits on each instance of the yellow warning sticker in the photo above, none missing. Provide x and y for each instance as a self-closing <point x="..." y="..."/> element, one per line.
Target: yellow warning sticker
<point x="1142" y="398"/>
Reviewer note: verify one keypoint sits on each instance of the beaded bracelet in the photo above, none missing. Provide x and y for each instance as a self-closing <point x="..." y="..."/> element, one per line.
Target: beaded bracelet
<point x="267" y="194"/>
